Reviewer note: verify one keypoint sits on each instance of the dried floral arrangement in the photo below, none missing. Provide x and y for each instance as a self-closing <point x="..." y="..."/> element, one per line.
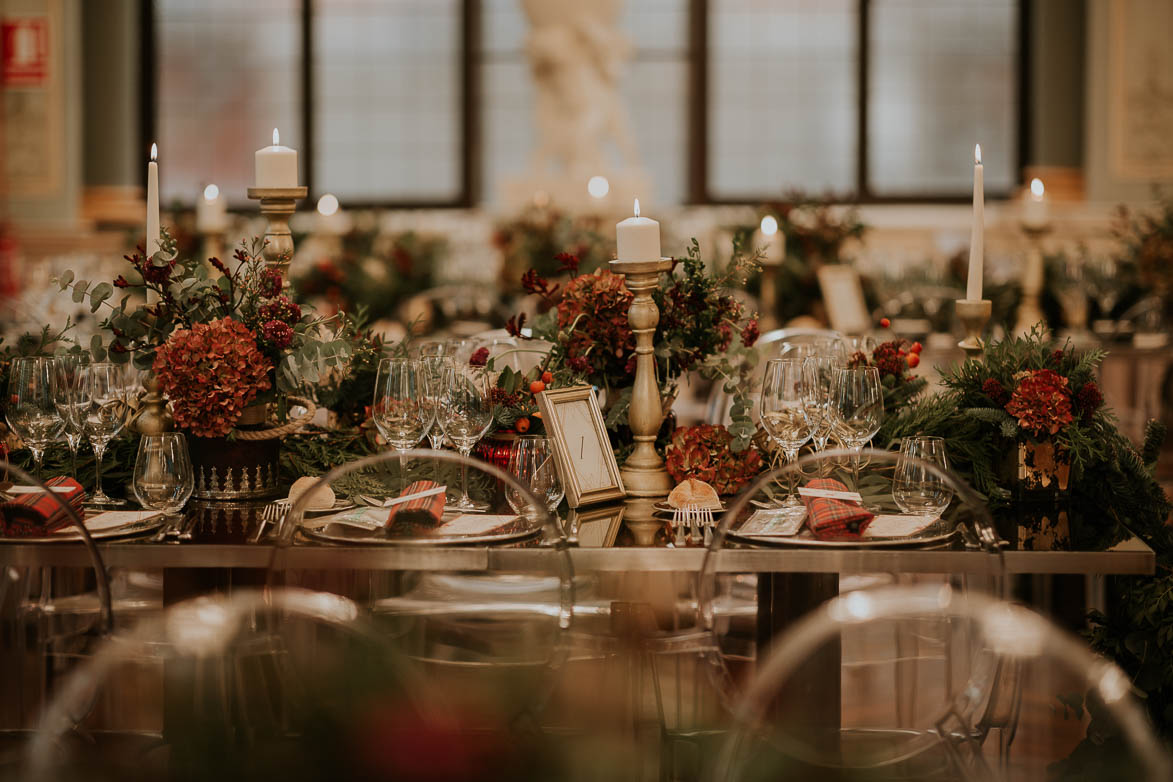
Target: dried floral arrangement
<point x="584" y="324"/>
<point x="535" y="238"/>
<point x="210" y="332"/>
<point x="374" y="272"/>
<point x="705" y="452"/>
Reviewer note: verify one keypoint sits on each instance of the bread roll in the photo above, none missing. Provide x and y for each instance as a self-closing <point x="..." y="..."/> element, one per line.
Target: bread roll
<point x="322" y="499"/>
<point x="693" y="493"/>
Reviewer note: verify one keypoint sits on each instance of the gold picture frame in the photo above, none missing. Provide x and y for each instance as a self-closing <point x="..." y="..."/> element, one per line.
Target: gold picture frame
<point x="586" y="462"/>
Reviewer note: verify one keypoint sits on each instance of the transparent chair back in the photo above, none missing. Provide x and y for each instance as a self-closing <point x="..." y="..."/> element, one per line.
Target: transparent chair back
<point x="267" y="684"/>
<point x="745" y="610"/>
<point x="1012" y="697"/>
<point x="481" y="598"/>
<point x="34" y="639"/>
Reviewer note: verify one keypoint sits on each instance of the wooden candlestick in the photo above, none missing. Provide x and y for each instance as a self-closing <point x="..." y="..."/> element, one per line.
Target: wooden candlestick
<point x="643" y="473"/>
<point x="277" y="204"/>
<point x="1030" y="310"/>
<point x="974" y="315"/>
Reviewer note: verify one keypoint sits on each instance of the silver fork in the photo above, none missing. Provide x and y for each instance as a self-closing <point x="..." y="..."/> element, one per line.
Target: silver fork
<point x="273" y="513"/>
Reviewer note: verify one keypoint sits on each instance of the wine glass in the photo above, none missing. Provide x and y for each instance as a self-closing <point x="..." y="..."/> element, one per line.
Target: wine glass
<point x="783" y="410"/>
<point x="531" y="461"/>
<point x="103" y="416"/>
<point x="67" y="396"/>
<point x="401" y="408"/>
<point x="434" y="348"/>
<point x="796" y="350"/>
<point x="817" y="373"/>
<point x="163" y="478"/>
<point x="434" y="368"/>
<point x="465" y="413"/>
<point x="857" y="408"/>
<point x="31" y="410"/>
<point x="917" y="489"/>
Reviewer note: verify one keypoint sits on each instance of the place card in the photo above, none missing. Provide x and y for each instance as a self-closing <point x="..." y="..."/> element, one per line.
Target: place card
<point x="364" y="518"/>
<point x="774" y="522"/>
<point x="111" y="519"/>
<point x="830" y="494"/>
<point x="474" y="524"/>
<point x="897" y="526"/>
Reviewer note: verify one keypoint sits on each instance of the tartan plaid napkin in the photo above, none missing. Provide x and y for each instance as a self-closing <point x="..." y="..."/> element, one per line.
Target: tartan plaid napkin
<point x="833" y="519"/>
<point x="38" y="513"/>
<point x="422" y="511"/>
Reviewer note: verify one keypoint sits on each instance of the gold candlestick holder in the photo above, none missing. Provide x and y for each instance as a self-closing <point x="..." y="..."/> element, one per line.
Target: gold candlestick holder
<point x="1030" y="310"/>
<point x="974" y="315"/>
<point x="643" y="473"/>
<point x="277" y="204"/>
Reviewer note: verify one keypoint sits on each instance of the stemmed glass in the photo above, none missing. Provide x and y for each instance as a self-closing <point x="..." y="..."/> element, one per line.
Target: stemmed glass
<point x="163" y="478"/>
<point x="531" y="461"/>
<point x="783" y="409"/>
<point x="401" y="407"/>
<point x="465" y="412"/>
<point x="817" y="373"/>
<point x="916" y="489"/>
<point x="67" y="396"/>
<point x="434" y="368"/>
<point x="103" y="416"/>
<point x="857" y="408"/>
<point x="31" y="410"/>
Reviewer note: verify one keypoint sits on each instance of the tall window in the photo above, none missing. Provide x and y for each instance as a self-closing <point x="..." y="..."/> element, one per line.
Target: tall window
<point x="654" y="85"/>
<point x="383" y="97"/>
<point x="789" y="98"/>
<point x="228" y="73"/>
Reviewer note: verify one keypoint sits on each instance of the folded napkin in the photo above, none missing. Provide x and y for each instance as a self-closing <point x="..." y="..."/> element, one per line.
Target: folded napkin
<point x="37" y="513"/>
<point x="830" y="518"/>
<point x="420" y="504"/>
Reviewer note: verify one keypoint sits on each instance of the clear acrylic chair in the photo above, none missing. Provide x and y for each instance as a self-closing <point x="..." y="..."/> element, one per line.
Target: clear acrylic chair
<point x="263" y="684"/>
<point x="746" y="612"/>
<point x="35" y="643"/>
<point x="1074" y="713"/>
<point x="430" y="577"/>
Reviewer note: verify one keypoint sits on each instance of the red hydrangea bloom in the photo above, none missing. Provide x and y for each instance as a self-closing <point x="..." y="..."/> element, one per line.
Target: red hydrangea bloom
<point x="281" y="308"/>
<point x="210" y="373"/>
<point x="1088" y="399"/>
<point x="270" y="283"/>
<point x="751" y="332"/>
<point x="705" y="452"/>
<point x="277" y="334"/>
<point x="479" y="358"/>
<point x="996" y="392"/>
<point x="1041" y="402"/>
<point x="602" y="337"/>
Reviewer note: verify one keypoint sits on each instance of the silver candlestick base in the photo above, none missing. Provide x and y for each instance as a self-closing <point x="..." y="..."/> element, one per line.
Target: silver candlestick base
<point x="974" y="315"/>
<point x="277" y="204"/>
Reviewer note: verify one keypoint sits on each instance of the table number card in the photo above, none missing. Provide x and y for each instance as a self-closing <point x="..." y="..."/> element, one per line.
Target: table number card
<point x="586" y="462"/>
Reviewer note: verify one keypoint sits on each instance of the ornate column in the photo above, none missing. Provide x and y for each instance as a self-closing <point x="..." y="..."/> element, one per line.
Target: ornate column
<point x="277" y="204"/>
<point x="643" y="473"/>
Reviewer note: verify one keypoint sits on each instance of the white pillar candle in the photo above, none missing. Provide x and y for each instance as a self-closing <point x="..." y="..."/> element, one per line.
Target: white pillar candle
<point x="153" y="202"/>
<point x="211" y="211"/>
<point x="973" y="288"/>
<point x="276" y="165"/>
<point x="1035" y="210"/>
<point x="637" y="238"/>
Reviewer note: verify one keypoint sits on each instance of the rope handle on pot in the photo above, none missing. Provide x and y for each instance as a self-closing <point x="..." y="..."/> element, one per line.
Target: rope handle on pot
<point x="290" y="427"/>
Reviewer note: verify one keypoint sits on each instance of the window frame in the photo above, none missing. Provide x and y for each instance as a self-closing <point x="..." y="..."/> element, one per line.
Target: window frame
<point x="698" y="163"/>
<point x="469" y="152"/>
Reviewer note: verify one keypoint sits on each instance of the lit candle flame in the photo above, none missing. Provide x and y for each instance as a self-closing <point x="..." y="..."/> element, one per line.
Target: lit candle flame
<point x="637" y="207"/>
<point x="327" y="205"/>
<point x="154" y="151"/>
<point x="211" y="193"/>
<point x="977" y="154"/>
<point x="769" y="225"/>
<point x="1036" y="188"/>
<point x="276" y="137"/>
